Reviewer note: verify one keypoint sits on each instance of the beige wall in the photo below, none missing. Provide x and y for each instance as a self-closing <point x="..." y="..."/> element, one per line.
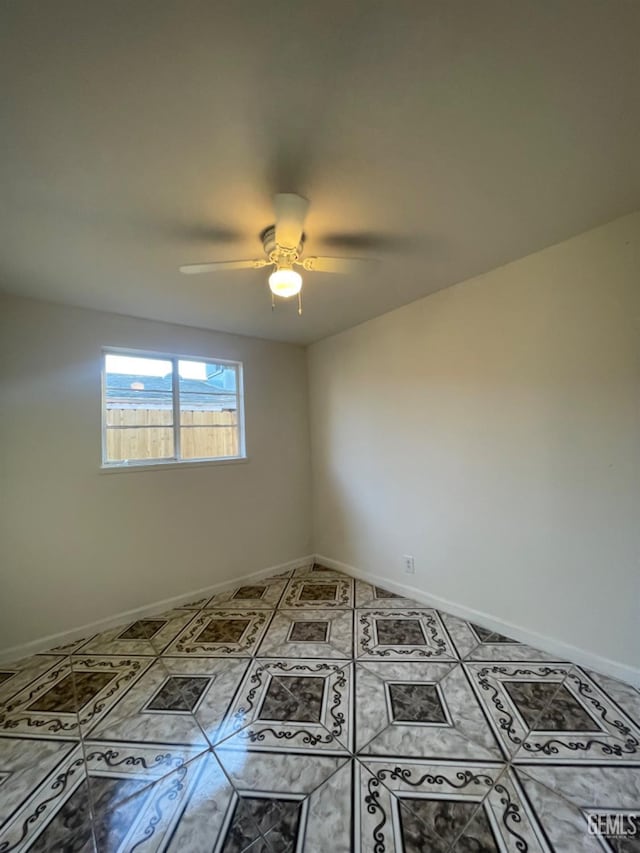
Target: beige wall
<point x="79" y="545"/>
<point x="493" y="431"/>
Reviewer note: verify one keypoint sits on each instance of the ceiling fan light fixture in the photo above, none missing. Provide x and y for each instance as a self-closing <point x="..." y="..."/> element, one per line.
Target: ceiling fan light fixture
<point x="284" y="281"/>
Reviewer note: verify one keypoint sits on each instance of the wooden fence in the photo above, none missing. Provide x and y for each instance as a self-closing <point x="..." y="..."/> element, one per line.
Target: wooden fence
<point x="148" y="434"/>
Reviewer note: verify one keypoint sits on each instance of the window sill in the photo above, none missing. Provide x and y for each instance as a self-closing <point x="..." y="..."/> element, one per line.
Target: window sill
<point x="170" y="465"/>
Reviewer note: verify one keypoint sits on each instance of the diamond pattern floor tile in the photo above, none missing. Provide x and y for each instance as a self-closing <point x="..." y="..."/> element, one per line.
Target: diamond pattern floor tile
<point x="306" y="713"/>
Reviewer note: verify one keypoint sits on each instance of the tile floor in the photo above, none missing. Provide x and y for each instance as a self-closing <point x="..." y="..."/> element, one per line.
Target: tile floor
<point x="312" y="712"/>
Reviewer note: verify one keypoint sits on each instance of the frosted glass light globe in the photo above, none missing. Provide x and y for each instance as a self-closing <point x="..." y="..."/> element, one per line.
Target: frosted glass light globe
<point x="285" y="282"/>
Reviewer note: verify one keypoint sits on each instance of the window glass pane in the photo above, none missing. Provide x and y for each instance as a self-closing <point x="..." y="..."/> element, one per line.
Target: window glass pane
<point x="139" y="408"/>
<point x="138" y="443"/>
<point x="143" y="365"/>
<point x="208" y="398"/>
<point x="138" y="393"/>
<point x="209" y="442"/>
<point x="206" y="377"/>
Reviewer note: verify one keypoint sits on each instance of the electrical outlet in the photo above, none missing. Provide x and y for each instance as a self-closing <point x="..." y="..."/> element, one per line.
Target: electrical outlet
<point x="408" y="564"/>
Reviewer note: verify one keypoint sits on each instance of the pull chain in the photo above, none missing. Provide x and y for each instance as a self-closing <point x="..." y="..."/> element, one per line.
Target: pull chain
<point x="300" y="303"/>
<point x="273" y="302"/>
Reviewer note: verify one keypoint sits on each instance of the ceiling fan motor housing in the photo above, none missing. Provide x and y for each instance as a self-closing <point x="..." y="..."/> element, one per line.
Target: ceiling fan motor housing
<point x="275" y="252"/>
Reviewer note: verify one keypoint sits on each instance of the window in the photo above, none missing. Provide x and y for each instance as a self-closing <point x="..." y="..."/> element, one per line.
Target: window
<point x="168" y="409"/>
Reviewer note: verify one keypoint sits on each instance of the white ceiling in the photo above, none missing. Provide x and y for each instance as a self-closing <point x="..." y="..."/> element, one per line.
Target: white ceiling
<point x="137" y="136"/>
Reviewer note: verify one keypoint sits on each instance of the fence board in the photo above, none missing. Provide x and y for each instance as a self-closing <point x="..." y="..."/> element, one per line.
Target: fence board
<point x="204" y="434"/>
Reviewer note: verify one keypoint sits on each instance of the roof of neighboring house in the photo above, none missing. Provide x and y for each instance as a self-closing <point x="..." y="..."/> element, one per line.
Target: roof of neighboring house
<point x="124" y="389"/>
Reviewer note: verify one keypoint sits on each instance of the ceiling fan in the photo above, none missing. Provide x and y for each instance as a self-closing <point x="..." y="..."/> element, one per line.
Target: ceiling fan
<point x="283" y="247"/>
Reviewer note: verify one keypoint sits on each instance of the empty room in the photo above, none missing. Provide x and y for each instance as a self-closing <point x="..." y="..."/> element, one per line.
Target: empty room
<point x="320" y="426"/>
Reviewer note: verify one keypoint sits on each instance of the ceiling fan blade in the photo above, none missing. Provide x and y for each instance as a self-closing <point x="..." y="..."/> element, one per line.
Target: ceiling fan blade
<point x="220" y="266"/>
<point x="336" y="265"/>
<point x="359" y="241"/>
<point x="197" y="232"/>
<point x="291" y="210"/>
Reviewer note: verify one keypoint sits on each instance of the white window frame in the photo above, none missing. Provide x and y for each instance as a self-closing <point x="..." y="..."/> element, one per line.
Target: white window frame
<point x="173" y="461"/>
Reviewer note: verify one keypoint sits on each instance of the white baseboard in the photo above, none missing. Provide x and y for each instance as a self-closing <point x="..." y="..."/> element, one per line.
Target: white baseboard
<point x="45" y="644"/>
<point x="563" y="651"/>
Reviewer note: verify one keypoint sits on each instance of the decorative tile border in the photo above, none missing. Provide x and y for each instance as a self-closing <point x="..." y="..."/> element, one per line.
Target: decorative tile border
<point x="626" y="697"/>
<point x="18" y="676"/>
<point x="419" y="805"/>
<point x="323" y="592"/>
<point x="24" y="764"/>
<point x="553" y="713"/>
<point x="222" y="632"/>
<point x="70" y="697"/>
<point x="193" y="721"/>
<point x="125" y="804"/>
<point x="254" y="596"/>
<point x="401" y="635"/>
<point x="298" y="705"/>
